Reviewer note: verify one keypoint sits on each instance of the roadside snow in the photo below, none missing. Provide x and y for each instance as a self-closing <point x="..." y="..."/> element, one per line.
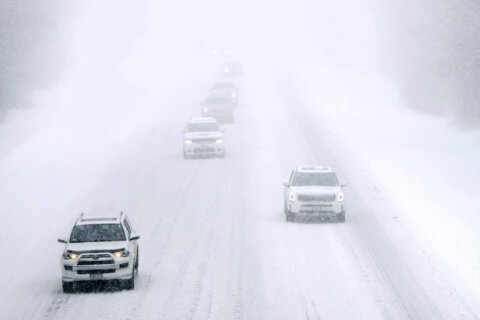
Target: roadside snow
<point x="424" y="170"/>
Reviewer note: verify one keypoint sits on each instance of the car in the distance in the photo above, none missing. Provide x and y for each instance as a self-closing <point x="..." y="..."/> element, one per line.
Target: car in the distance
<point x="232" y="68"/>
<point x="203" y="137"/>
<point x="100" y="248"/>
<point x="227" y="89"/>
<point x="218" y="106"/>
<point x="314" y="192"/>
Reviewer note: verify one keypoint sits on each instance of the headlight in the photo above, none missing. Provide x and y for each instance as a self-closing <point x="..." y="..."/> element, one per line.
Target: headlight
<point x="340" y="197"/>
<point x="234" y="95"/>
<point x="292" y="196"/>
<point x="226" y="69"/>
<point x="205" y="109"/>
<point x="188" y="141"/>
<point x="70" y="255"/>
<point x="120" y="254"/>
<point x="219" y="140"/>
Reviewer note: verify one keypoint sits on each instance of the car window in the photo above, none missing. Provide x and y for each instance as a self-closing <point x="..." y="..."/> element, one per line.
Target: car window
<point x="127" y="226"/>
<point x="203" y="127"/>
<point x="97" y="233"/>
<point x="315" y="179"/>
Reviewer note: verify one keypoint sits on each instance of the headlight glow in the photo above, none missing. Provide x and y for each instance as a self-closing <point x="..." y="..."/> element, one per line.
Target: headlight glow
<point x="340" y="197"/>
<point x="205" y="109"/>
<point x="219" y="140"/>
<point x="70" y="256"/>
<point x="188" y="141"/>
<point x="123" y="253"/>
<point x="234" y="95"/>
<point x="292" y="196"/>
<point x="226" y="69"/>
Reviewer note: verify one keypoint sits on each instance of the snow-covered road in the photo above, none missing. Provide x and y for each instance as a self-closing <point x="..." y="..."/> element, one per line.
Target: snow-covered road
<point x="214" y="241"/>
<point x="215" y="244"/>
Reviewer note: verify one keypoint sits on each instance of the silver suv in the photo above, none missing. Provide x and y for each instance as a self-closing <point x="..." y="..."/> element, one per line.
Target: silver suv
<point x="100" y="248"/>
<point x="314" y="192"/>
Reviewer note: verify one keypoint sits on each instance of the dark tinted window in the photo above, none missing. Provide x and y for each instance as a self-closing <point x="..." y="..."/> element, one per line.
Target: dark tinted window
<point x="97" y="233"/>
<point x="328" y="179"/>
<point x="203" y="127"/>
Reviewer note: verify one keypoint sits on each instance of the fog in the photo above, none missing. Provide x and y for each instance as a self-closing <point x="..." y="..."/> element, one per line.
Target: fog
<point x="95" y="97"/>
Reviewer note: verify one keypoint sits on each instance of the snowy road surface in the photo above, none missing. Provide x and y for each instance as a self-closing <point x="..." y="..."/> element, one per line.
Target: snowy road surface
<point x="214" y="241"/>
<point x="215" y="244"/>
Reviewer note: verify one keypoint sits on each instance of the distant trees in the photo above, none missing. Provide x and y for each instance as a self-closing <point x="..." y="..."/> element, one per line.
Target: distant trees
<point x="434" y="48"/>
<point x="29" y="49"/>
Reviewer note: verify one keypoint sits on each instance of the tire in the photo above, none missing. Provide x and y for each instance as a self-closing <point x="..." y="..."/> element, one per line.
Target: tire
<point x="341" y="217"/>
<point x="136" y="262"/>
<point x="67" y="287"/>
<point x="130" y="283"/>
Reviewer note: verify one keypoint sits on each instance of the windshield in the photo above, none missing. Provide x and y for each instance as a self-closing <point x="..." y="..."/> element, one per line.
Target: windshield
<point x="224" y="86"/>
<point x="203" y="127"/>
<point x="97" y="233"/>
<point x="328" y="179"/>
<point x="217" y="100"/>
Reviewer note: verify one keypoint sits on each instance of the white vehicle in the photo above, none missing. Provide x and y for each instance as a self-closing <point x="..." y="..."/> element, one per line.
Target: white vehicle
<point x="100" y="248"/>
<point x="203" y="137"/>
<point x="219" y="106"/>
<point x="226" y="88"/>
<point x="314" y="192"/>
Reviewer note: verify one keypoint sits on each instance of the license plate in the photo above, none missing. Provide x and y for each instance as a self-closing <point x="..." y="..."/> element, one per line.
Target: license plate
<point x="96" y="276"/>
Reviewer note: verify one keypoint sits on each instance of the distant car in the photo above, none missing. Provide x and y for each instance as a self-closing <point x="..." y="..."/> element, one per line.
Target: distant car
<point x="100" y="248"/>
<point x="218" y="106"/>
<point x="232" y="68"/>
<point x="227" y="89"/>
<point x="203" y="137"/>
<point x="314" y="192"/>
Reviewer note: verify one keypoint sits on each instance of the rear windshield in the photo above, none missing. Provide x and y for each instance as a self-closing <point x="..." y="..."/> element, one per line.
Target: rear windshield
<point x="203" y="127"/>
<point x="328" y="179"/>
<point x="97" y="233"/>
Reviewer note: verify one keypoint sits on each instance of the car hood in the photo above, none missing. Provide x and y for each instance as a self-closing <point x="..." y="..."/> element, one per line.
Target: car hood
<point x="203" y="135"/>
<point x="316" y="190"/>
<point x="89" y="246"/>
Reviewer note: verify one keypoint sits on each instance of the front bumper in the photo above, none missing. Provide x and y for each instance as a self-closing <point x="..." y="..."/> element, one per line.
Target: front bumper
<point x="321" y="209"/>
<point x="197" y="149"/>
<point x="120" y="270"/>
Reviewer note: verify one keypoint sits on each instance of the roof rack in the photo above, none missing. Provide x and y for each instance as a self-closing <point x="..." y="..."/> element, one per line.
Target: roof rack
<point x="79" y="217"/>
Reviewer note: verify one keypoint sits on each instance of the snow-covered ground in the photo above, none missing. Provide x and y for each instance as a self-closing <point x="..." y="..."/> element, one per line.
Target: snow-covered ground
<point x="214" y="242"/>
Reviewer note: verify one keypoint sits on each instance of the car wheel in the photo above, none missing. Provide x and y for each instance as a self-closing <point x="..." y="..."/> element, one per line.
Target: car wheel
<point x="136" y="262"/>
<point x="341" y="217"/>
<point x="130" y="283"/>
<point x="67" y="287"/>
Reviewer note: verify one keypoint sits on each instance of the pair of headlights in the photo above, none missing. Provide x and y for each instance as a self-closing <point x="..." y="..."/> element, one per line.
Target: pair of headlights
<point x="190" y="141"/>
<point x="292" y="197"/>
<point x="117" y="254"/>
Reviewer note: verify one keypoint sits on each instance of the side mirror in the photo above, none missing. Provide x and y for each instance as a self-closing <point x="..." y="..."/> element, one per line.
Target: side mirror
<point x="134" y="237"/>
<point x="286" y="184"/>
<point x="62" y="240"/>
<point x="343" y="184"/>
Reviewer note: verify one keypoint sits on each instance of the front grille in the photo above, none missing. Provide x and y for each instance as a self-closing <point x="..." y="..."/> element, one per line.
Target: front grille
<point x="203" y="150"/>
<point x="94" y="262"/>
<point x="96" y="271"/>
<point x="204" y="140"/>
<point x="315" y="197"/>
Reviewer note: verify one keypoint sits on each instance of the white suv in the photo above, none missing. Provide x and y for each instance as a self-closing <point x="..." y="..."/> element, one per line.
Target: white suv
<point x="203" y="137"/>
<point x="314" y="192"/>
<point x="100" y="248"/>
